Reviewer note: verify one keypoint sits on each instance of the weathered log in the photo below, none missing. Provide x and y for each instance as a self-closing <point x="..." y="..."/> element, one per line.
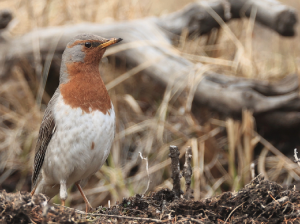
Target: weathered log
<point x="197" y="18"/>
<point x="270" y="13"/>
<point x="149" y="41"/>
<point x="5" y="18"/>
<point x="5" y="63"/>
<point x="231" y="94"/>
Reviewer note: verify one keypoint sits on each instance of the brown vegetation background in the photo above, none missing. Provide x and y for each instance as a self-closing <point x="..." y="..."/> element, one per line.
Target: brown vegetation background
<point x="150" y="117"/>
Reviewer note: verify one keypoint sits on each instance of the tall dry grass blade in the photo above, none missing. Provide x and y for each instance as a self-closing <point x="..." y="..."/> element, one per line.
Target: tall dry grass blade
<point x="133" y="104"/>
<point x="162" y="112"/>
<point x="141" y="43"/>
<point x="134" y="129"/>
<point x="201" y="163"/>
<point x="230" y="126"/>
<point x="288" y="164"/>
<point x="235" y="148"/>
<point x="43" y="78"/>
<point x="248" y="71"/>
<point x="234" y="39"/>
<point x="176" y="132"/>
<point x="183" y="38"/>
<point x="247" y="129"/>
<point x="195" y="79"/>
<point x="172" y="89"/>
<point x="208" y="60"/>
<point x="131" y="73"/>
<point x="196" y="168"/>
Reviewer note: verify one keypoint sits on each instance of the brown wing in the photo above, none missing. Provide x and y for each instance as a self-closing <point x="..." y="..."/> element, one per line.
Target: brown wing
<point x="47" y="129"/>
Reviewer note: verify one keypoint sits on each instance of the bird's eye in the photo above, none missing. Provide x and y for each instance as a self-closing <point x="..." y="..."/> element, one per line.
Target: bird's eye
<point x="87" y="44"/>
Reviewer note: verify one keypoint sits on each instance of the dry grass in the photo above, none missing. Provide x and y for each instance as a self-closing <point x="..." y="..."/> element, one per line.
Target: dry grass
<point x="149" y="117"/>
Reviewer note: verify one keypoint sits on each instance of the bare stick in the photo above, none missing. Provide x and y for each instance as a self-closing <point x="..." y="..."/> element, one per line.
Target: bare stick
<point x="147" y="169"/>
<point x="187" y="173"/>
<point x="174" y="154"/>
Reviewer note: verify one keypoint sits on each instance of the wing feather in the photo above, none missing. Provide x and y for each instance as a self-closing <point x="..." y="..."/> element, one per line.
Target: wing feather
<point x="46" y="132"/>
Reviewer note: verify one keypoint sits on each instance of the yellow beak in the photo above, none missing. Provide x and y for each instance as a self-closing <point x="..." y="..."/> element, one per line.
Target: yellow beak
<point x="110" y="42"/>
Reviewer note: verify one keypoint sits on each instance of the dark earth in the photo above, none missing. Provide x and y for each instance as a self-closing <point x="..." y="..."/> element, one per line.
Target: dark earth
<point x="261" y="201"/>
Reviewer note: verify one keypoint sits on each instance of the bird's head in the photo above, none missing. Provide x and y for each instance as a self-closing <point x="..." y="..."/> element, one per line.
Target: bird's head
<point x="84" y="52"/>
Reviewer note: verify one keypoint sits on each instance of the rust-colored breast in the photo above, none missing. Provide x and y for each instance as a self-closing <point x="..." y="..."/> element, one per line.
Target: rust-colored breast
<point x="85" y="89"/>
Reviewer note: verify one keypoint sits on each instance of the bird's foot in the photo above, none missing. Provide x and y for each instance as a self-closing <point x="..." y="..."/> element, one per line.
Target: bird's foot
<point x="88" y="208"/>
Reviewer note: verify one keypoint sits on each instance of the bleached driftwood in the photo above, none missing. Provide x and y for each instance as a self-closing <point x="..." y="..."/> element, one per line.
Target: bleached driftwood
<point x="197" y="18"/>
<point x="270" y="13"/>
<point x="5" y="18"/>
<point x="148" y="45"/>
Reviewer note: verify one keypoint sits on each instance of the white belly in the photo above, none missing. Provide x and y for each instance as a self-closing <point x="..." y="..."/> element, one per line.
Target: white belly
<point x="80" y="145"/>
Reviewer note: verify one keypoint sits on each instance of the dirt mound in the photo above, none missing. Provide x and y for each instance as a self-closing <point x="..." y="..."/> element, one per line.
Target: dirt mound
<point x="260" y="201"/>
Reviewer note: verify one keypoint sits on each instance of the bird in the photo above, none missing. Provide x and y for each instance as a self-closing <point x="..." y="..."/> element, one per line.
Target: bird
<point x="78" y="126"/>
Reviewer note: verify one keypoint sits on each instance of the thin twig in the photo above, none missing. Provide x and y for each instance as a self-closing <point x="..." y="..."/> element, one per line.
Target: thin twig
<point x="147" y="169"/>
<point x="196" y="221"/>
<point x="233" y="211"/>
<point x="125" y="217"/>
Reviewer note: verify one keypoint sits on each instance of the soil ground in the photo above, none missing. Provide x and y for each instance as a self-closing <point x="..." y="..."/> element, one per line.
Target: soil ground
<point x="261" y="201"/>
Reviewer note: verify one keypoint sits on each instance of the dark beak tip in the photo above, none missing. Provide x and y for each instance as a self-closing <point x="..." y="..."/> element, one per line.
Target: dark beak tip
<point x="119" y="40"/>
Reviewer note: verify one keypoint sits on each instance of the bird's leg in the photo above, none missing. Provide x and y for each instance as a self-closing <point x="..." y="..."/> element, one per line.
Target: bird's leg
<point x="87" y="203"/>
<point x="33" y="190"/>
<point x="63" y="194"/>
